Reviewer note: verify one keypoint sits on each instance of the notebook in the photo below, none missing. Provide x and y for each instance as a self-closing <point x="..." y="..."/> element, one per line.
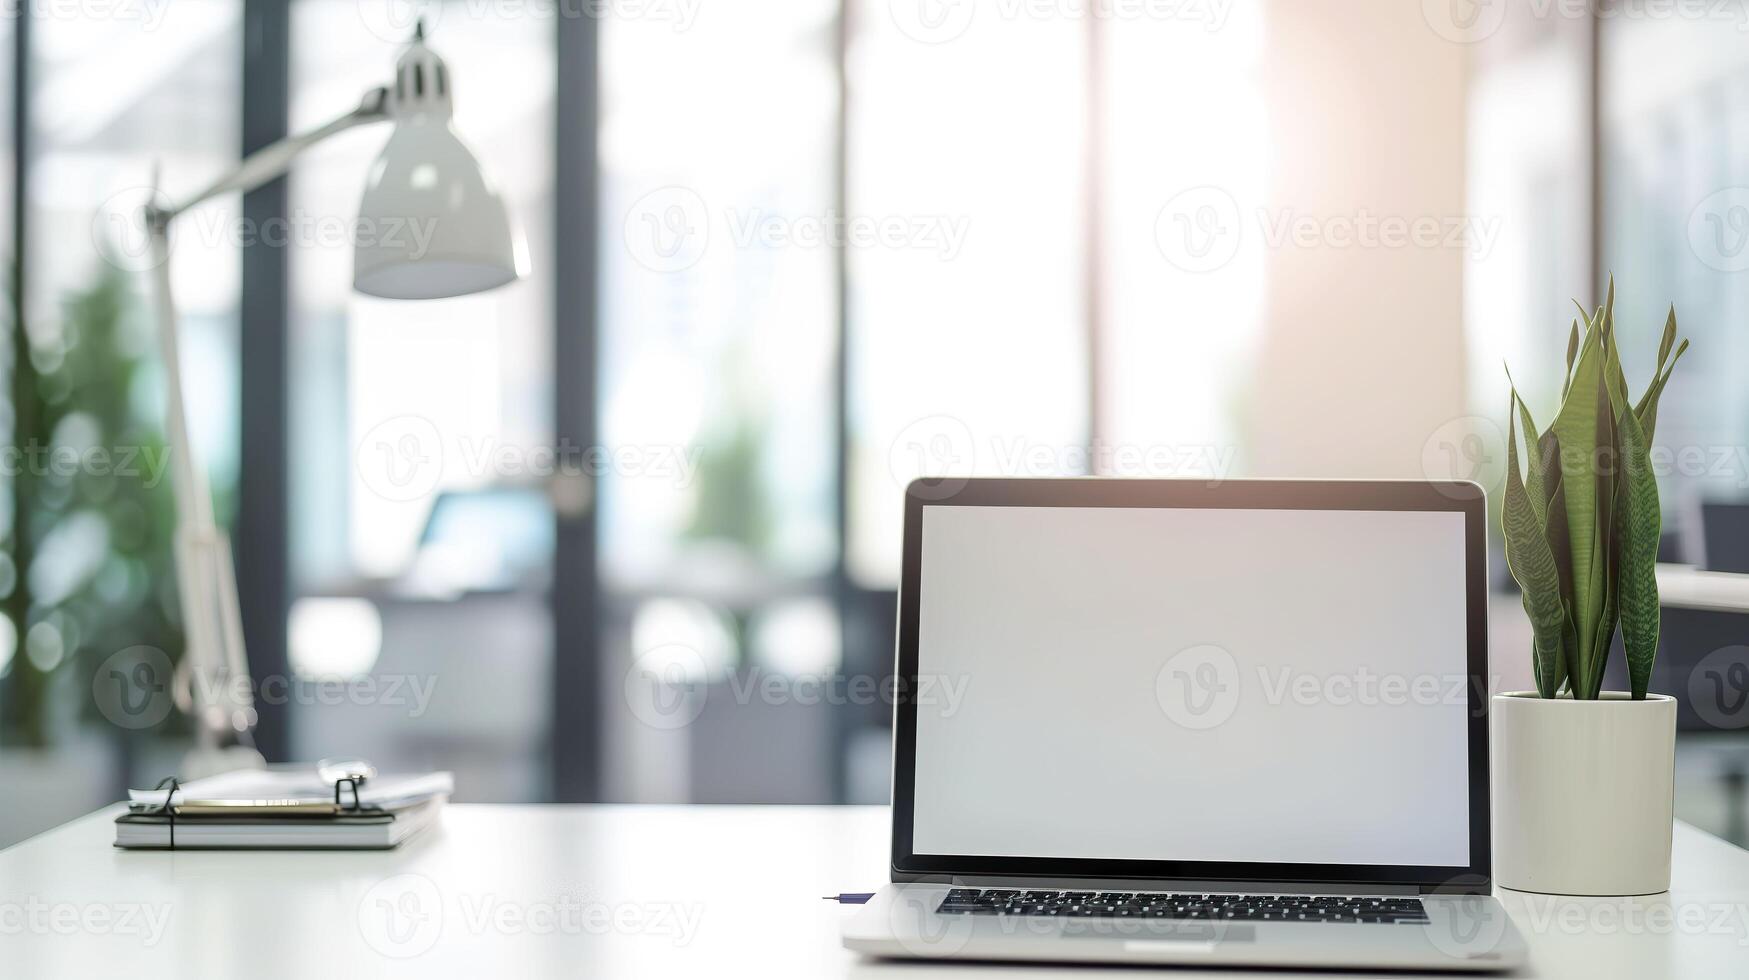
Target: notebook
<point x="283" y="808"/>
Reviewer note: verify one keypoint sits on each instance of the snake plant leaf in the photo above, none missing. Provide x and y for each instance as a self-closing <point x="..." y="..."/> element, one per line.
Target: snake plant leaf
<point x="1668" y="339"/>
<point x="1647" y="409"/>
<point x="1532" y="563"/>
<point x="1638" y="526"/>
<point x="1572" y="351"/>
<point x="1606" y="466"/>
<point x="1556" y="535"/>
<point x="1612" y="358"/>
<point x="1549" y="457"/>
<point x="1576" y="428"/>
<point x="1535" y="462"/>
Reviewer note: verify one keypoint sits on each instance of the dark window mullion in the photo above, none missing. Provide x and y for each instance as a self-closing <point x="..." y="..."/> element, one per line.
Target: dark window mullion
<point x="263" y="512"/>
<point x="576" y="602"/>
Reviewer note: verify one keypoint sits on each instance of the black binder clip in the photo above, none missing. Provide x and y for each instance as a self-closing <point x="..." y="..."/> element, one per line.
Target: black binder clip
<point x="166" y="808"/>
<point x="355" y="782"/>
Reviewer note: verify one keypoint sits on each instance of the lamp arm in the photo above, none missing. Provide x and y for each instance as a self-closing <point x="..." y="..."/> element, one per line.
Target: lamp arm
<point x="213" y="682"/>
<point x="275" y="159"/>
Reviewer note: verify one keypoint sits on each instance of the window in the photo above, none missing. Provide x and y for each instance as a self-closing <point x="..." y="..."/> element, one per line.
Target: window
<point x="718" y="298"/>
<point x="1181" y="316"/>
<point x="965" y="303"/>
<point x="422" y="431"/>
<point x="1675" y="227"/>
<point x="86" y="571"/>
<point x="717" y="311"/>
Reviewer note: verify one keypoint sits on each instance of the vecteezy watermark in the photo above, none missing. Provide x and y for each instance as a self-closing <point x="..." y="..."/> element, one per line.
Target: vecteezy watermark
<point x="944" y="449"/>
<point x="402" y="916"/>
<point x="1200" y="687"/>
<point x="1366" y="687"/>
<point x="34" y="458"/>
<point x="1718" y="229"/>
<point x="1652" y="915"/>
<point x="133" y="687"/>
<point x="667" y="687"/>
<point x="1198" y="229"/>
<point x="940" y="21"/>
<point x="671" y="228"/>
<point x="1469" y="448"/>
<point x="914" y="923"/>
<point x="148" y="14"/>
<point x="1473" y="448"/>
<point x="1716" y="463"/>
<point x="1470" y="21"/>
<point x="1718" y="687"/>
<point x="1464" y="21"/>
<point x="121" y="234"/>
<point x="1467" y="923"/>
<point x="137" y="687"/>
<point x="394" y="20"/>
<point x="407" y="458"/>
<point x="1201" y="229"/>
<point x="408" y="914"/>
<point x="42" y="917"/>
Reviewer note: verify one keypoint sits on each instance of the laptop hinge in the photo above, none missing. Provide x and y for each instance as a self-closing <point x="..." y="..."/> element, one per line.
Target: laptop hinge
<point x="1166" y="884"/>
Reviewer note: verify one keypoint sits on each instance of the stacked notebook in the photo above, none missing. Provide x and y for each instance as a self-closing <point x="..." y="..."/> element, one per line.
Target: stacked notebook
<point x="283" y="808"/>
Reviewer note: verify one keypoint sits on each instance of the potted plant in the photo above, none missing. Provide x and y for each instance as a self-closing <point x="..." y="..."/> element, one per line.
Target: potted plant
<point x="1582" y="777"/>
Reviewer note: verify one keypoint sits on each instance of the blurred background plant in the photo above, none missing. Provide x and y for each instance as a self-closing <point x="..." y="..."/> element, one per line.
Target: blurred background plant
<point x="89" y="522"/>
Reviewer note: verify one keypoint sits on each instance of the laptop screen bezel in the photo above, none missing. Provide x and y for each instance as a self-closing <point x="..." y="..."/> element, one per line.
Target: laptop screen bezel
<point x="1463" y="498"/>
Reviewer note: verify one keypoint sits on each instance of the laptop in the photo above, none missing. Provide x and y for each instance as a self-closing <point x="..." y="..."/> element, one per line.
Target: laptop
<point x="1183" y="722"/>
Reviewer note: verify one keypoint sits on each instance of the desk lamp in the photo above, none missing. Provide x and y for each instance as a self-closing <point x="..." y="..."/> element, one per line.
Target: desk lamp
<point x="425" y="177"/>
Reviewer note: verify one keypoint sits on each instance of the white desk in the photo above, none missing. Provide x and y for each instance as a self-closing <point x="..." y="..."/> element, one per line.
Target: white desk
<point x="1687" y="587"/>
<point x="657" y="892"/>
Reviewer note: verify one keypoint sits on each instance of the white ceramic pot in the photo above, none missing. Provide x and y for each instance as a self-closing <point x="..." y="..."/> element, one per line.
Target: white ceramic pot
<point x="1582" y="793"/>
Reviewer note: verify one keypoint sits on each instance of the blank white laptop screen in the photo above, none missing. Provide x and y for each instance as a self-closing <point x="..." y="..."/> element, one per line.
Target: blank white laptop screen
<point x="1193" y="685"/>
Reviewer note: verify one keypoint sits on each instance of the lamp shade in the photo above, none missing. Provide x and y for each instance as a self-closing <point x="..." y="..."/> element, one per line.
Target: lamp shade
<point x="430" y="224"/>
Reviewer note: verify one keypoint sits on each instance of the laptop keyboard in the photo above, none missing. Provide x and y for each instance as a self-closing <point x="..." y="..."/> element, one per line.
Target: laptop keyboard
<point x="1163" y="905"/>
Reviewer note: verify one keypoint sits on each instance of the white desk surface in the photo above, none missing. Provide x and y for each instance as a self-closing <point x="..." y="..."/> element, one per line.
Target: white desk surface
<point x="1687" y="587"/>
<point x="611" y="892"/>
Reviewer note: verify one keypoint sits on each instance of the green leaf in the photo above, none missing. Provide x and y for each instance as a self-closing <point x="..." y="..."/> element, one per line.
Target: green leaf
<point x="1576" y="429"/>
<point x="1639" y="524"/>
<point x="1560" y="546"/>
<point x="1572" y="351"/>
<point x="1612" y="361"/>
<point x="1532" y="563"/>
<point x="1549" y="462"/>
<point x="1668" y="338"/>
<point x="1606" y="469"/>
<point x="1647" y="409"/>
<point x="1536" y="463"/>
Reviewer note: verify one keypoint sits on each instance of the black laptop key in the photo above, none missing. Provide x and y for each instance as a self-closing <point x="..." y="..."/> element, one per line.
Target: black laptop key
<point x="1166" y="905"/>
